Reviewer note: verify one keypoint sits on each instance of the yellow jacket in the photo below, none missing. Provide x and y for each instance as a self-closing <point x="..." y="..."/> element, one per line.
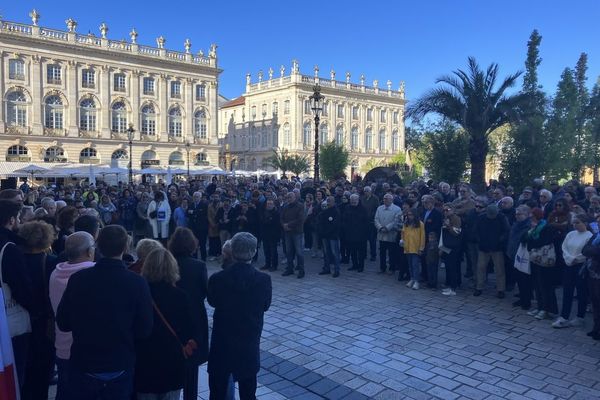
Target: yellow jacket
<point x="413" y="238"/>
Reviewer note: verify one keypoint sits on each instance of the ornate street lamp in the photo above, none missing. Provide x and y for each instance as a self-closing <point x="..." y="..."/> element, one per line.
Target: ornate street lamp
<point x="316" y="105"/>
<point x="188" y="147"/>
<point x="130" y="132"/>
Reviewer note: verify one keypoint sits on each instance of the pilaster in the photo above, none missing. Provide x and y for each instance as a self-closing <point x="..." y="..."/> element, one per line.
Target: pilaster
<point x="188" y="96"/>
<point x="163" y="128"/>
<point x="104" y="86"/>
<point x="135" y="100"/>
<point x="213" y="107"/>
<point x="2" y="91"/>
<point x="72" y="96"/>
<point x="37" y="95"/>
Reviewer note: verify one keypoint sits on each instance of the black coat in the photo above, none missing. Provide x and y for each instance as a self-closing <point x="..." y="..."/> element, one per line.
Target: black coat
<point x="270" y="225"/>
<point x="107" y="308"/>
<point x="14" y="273"/>
<point x="198" y="216"/>
<point x="355" y="223"/>
<point x="329" y="224"/>
<point x="433" y="223"/>
<point x="492" y="233"/>
<point x="194" y="282"/>
<point x="240" y="295"/>
<point x="160" y="365"/>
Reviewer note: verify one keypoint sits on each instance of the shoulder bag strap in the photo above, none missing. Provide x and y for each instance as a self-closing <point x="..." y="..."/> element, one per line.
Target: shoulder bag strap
<point x="1" y="258"/>
<point x="164" y="320"/>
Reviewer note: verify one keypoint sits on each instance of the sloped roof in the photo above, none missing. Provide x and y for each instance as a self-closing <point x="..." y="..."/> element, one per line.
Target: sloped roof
<point x="238" y="101"/>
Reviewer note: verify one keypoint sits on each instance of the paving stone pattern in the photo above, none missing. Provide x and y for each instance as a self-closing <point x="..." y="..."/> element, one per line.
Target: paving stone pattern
<point x="367" y="336"/>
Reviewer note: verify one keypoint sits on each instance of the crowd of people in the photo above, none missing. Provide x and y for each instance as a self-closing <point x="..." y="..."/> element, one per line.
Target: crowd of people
<point x="108" y="282"/>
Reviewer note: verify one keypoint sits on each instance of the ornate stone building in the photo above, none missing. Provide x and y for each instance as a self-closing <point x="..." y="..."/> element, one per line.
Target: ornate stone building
<point x="274" y="113"/>
<point x="71" y="97"/>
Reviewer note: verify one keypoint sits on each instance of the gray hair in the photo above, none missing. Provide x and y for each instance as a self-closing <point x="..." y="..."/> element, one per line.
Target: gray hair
<point x="60" y="204"/>
<point x="47" y="201"/>
<point x="78" y="244"/>
<point x="145" y="246"/>
<point x="509" y="200"/>
<point x="243" y="246"/>
<point x="367" y="189"/>
<point x="547" y="193"/>
<point x="524" y="208"/>
<point x="354" y="196"/>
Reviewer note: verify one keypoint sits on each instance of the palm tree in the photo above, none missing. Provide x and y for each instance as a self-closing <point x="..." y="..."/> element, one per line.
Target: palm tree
<point x="470" y="99"/>
<point x="299" y="164"/>
<point x="280" y="161"/>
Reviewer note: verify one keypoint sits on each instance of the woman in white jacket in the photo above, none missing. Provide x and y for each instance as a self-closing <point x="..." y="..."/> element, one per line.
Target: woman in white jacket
<point x="572" y="278"/>
<point x="159" y="215"/>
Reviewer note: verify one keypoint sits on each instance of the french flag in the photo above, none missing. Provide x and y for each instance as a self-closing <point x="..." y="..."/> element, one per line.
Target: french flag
<point x="8" y="375"/>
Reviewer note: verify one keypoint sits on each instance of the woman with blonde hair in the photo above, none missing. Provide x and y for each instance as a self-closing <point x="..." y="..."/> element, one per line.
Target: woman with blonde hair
<point x="161" y="357"/>
<point x="37" y="238"/>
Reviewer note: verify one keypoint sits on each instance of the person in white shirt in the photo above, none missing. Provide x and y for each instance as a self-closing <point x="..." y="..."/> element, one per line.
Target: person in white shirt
<point x="572" y="278"/>
<point x="388" y="224"/>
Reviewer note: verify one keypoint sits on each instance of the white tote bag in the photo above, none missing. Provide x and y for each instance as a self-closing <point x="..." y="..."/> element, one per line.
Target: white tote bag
<point x="18" y="317"/>
<point x="522" y="260"/>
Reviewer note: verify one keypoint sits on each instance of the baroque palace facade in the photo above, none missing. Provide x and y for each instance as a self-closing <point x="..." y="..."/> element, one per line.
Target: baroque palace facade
<point x="69" y="97"/>
<point x="274" y="113"/>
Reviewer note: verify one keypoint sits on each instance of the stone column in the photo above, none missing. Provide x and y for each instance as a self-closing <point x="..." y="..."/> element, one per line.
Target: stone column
<point x="72" y="96"/>
<point x="37" y="123"/>
<point x="3" y="90"/>
<point x="104" y="87"/>
<point x="163" y="128"/>
<point x="135" y="100"/>
<point x="188" y="104"/>
<point x="213" y="107"/>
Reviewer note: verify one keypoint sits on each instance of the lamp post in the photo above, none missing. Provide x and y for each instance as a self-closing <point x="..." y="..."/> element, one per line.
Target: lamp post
<point x="316" y="105"/>
<point x="130" y="132"/>
<point x="188" y="147"/>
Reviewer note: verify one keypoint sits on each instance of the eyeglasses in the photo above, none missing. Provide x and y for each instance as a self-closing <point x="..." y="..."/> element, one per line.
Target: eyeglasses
<point x="478" y="206"/>
<point x="447" y="210"/>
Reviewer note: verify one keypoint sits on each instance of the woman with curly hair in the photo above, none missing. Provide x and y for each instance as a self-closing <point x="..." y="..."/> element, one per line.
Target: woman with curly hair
<point x="37" y="238"/>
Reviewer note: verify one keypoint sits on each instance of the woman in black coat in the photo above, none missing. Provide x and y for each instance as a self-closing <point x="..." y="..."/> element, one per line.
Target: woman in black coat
<point x="160" y="362"/>
<point x="194" y="283"/>
<point x="354" y="221"/>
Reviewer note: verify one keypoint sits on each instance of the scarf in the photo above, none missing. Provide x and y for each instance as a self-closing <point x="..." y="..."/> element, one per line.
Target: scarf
<point x="535" y="232"/>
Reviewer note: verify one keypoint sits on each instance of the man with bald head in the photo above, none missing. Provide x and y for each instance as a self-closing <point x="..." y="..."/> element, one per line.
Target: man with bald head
<point x="79" y="249"/>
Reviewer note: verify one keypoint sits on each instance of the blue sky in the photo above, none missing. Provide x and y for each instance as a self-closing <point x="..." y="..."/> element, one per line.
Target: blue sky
<point x="414" y="41"/>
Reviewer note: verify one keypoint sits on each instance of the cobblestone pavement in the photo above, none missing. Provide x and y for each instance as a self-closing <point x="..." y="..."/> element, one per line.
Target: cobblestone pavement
<point x="367" y="336"/>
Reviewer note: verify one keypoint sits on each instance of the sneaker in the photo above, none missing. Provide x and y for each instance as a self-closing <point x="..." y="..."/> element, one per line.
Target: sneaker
<point x="416" y="286"/>
<point x="533" y="312"/>
<point x="541" y="315"/>
<point x="450" y="292"/>
<point x="560" y="323"/>
<point x="410" y="283"/>
<point x="444" y="290"/>
<point x="576" y="322"/>
<point x="212" y="258"/>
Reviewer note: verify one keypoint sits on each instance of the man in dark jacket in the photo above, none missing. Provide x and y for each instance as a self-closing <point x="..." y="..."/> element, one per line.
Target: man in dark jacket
<point x="370" y="202"/>
<point x="354" y="217"/>
<point x="240" y="295"/>
<point x="270" y="233"/>
<point x="492" y="230"/>
<point x="107" y="308"/>
<point x="292" y="222"/>
<point x="198" y="221"/>
<point x="328" y="226"/>
<point x="432" y="219"/>
<point x="15" y="276"/>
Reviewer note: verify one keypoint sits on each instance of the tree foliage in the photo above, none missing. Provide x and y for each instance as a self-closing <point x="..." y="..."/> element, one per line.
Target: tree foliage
<point x="476" y="100"/>
<point x="593" y="112"/>
<point x="299" y="164"/>
<point x="333" y="160"/>
<point x="280" y="160"/>
<point x="445" y="152"/>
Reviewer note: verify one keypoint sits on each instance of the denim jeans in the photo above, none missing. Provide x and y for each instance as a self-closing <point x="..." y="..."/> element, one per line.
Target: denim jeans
<point x="573" y="279"/>
<point x="414" y="266"/>
<point x="87" y="387"/>
<point x="294" y="249"/>
<point x="332" y="254"/>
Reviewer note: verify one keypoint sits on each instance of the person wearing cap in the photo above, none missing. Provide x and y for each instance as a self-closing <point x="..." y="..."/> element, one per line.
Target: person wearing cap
<point x="492" y="230"/>
<point x="240" y="296"/>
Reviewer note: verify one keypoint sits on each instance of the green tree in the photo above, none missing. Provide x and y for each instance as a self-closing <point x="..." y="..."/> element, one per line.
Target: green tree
<point x="372" y="163"/>
<point x="561" y="128"/>
<point x="333" y="160"/>
<point x="280" y="160"/>
<point x="582" y="138"/>
<point x="594" y="129"/>
<point x="527" y="136"/>
<point x="299" y="164"/>
<point x="445" y="152"/>
<point x="474" y="100"/>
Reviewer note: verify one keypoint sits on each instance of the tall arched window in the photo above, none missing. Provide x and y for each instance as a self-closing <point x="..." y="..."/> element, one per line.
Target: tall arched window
<point x="175" y="122"/>
<point x="354" y="138"/>
<point x="324" y="134"/>
<point x="17" y="153"/>
<point x="87" y="155"/>
<point x="264" y="137"/>
<point x="307" y="134"/>
<point x="200" y="129"/>
<point x="252" y="137"/>
<point x="87" y="115"/>
<point x="382" y="141"/>
<point x="287" y="135"/>
<point x="54" y="110"/>
<point x="119" y="117"/>
<point x="55" y="154"/>
<point x="339" y="135"/>
<point x="119" y="154"/>
<point x="16" y="109"/>
<point x="395" y="141"/>
<point x="368" y="139"/>
<point x="176" y="158"/>
<point x="148" y="125"/>
<point x="201" y="159"/>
